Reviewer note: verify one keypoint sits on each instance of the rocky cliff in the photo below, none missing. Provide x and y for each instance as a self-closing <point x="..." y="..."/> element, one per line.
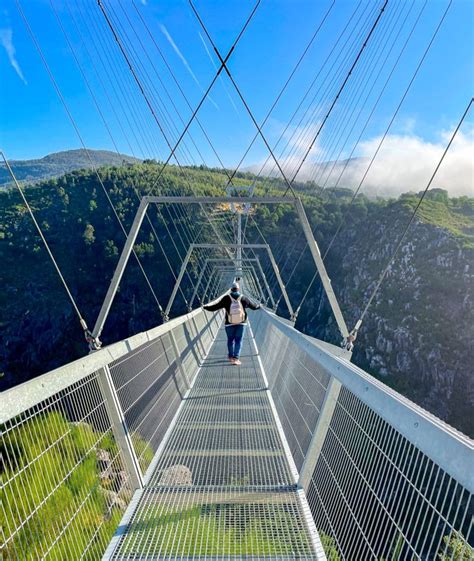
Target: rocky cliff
<point x="418" y="334"/>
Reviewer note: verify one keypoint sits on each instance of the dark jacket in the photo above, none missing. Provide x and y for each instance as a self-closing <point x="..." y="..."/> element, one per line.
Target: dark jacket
<point x="224" y="303"/>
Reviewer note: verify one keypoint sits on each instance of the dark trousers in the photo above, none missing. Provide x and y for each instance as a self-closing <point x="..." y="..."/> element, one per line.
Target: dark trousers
<point x="235" y="334"/>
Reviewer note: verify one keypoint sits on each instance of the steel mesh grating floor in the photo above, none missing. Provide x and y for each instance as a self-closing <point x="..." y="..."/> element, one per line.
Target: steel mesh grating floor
<point x="222" y="487"/>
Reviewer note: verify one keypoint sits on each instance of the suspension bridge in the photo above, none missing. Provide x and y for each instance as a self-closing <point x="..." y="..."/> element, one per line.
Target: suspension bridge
<point x="155" y="447"/>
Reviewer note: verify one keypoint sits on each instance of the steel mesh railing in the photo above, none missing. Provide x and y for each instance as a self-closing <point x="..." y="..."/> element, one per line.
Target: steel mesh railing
<point x="396" y="500"/>
<point x="222" y="487"/>
<point x="384" y="478"/>
<point x="64" y="485"/>
<point x="67" y="474"/>
<point x="298" y="386"/>
<point x="150" y="382"/>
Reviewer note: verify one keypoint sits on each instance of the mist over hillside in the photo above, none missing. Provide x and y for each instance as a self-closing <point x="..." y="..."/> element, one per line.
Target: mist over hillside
<point x="403" y="164"/>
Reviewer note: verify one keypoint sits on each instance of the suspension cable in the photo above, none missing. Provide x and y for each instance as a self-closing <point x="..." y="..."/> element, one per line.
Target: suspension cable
<point x="407" y="89"/>
<point x="343" y="85"/>
<point x="206" y="93"/>
<point x="93" y="341"/>
<point x="244" y="102"/>
<point x="147" y="101"/>
<point x="288" y="80"/>
<point x="74" y="124"/>
<point x="410" y="222"/>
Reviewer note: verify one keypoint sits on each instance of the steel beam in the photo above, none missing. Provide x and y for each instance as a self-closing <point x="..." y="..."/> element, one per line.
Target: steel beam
<point x="119" y="427"/>
<point x="217" y="200"/>
<point x="125" y="255"/>
<point x="120" y="268"/>
<point x="313" y="246"/>
<point x="198" y="284"/>
<point x="184" y="264"/>
<point x="267" y="286"/>
<point x="282" y="286"/>
<point x="319" y="434"/>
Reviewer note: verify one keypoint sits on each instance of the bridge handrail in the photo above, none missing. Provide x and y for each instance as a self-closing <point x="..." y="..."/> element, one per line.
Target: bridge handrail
<point x="449" y="448"/>
<point x="78" y="440"/>
<point x="23" y="396"/>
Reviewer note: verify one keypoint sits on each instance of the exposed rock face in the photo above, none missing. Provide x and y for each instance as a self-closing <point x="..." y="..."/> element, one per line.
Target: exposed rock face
<point x="176" y="475"/>
<point x="113" y="500"/>
<point x="418" y="334"/>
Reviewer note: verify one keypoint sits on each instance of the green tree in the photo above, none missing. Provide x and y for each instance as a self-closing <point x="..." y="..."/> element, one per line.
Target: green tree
<point x="88" y="235"/>
<point x="456" y="549"/>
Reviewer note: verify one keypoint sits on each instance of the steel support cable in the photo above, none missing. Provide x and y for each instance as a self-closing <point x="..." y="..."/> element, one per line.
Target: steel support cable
<point x="141" y="123"/>
<point x="410" y="222"/>
<point x="102" y="116"/>
<point x="367" y="75"/>
<point x="179" y="86"/>
<point x="318" y="111"/>
<point x="166" y="116"/>
<point x="160" y="79"/>
<point x="144" y="94"/>
<point x="108" y="71"/>
<point x="123" y="112"/>
<point x="131" y="105"/>
<point x="91" y="92"/>
<point x="314" y="113"/>
<point x="204" y="97"/>
<point x="101" y="82"/>
<point x="341" y="89"/>
<point x="378" y="98"/>
<point x="88" y="335"/>
<point x="293" y="271"/>
<point x="163" y="112"/>
<point x="140" y="85"/>
<point x="74" y="124"/>
<point x="253" y="252"/>
<point x="283" y="89"/>
<point x="247" y="108"/>
<point x="321" y="189"/>
<point x="377" y="150"/>
<point x="308" y="90"/>
<point x="305" y="134"/>
<point x="374" y="66"/>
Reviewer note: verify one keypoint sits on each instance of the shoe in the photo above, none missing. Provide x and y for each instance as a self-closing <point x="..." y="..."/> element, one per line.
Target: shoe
<point x="237" y="362"/>
<point x="231" y="359"/>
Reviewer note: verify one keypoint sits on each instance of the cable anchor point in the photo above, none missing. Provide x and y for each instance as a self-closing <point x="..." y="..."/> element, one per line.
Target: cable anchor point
<point x="94" y="343"/>
<point x="348" y="342"/>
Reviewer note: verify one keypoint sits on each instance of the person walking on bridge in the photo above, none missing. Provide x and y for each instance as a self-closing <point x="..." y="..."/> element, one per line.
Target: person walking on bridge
<point x="235" y="305"/>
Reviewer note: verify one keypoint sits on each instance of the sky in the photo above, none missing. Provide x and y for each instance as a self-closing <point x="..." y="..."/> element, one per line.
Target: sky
<point x="82" y="57"/>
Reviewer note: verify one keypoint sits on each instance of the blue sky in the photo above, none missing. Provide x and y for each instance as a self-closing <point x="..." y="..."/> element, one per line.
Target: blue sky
<point x="34" y="122"/>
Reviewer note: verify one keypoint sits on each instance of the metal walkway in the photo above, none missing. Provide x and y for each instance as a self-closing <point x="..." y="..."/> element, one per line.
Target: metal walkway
<point x="222" y="485"/>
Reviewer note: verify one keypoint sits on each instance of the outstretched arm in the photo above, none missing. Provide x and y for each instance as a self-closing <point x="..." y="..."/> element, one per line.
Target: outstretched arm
<point x="251" y="304"/>
<point x="217" y="306"/>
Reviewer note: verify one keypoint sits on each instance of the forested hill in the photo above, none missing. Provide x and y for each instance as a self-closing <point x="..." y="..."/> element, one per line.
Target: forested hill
<point x="418" y="336"/>
<point x="54" y="165"/>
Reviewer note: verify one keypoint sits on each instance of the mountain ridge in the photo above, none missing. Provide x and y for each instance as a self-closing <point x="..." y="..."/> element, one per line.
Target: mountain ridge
<point x="59" y="163"/>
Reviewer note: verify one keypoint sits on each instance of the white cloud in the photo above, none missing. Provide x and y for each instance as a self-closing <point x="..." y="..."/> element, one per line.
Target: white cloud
<point x="290" y="150"/>
<point x="6" y="40"/>
<point x="184" y="61"/>
<point x="406" y="163"/>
